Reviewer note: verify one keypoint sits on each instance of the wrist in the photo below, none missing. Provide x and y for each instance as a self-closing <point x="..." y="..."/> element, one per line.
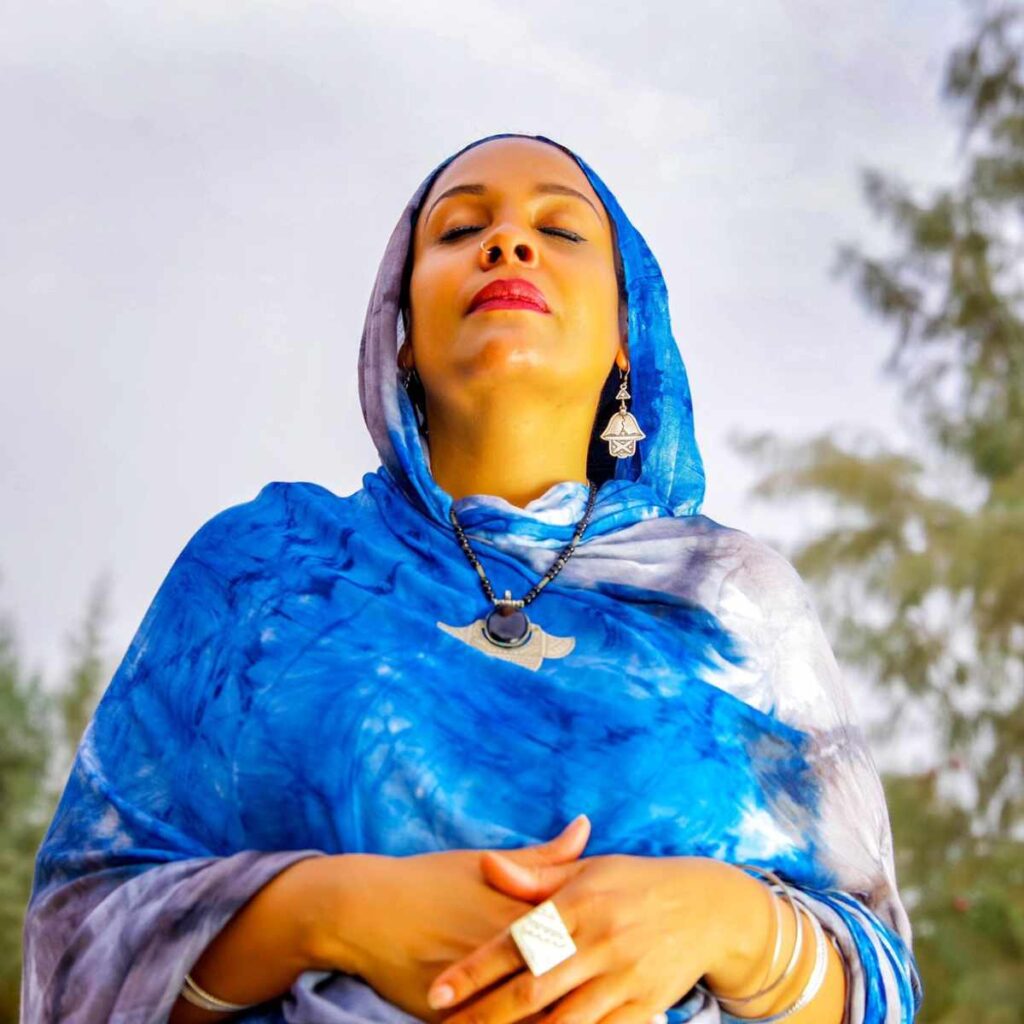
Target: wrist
<point x="331" y="892"/>
<point x="299" y="892"/>
<point x="739" y="958"/>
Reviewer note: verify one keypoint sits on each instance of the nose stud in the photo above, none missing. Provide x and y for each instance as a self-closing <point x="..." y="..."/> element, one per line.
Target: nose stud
<point x="490" y="250"/>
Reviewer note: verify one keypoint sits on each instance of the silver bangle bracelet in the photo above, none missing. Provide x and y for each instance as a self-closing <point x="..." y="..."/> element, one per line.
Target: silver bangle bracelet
<point x="794" y="958"/>
<point x="814" y="982"/>
<point x="192" y="993"/>
<point x="776" y="950"/>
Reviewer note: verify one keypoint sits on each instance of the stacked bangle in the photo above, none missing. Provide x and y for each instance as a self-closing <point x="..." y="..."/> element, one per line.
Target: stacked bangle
<point x="192" y="993"/>
<point x="817" y="976"/>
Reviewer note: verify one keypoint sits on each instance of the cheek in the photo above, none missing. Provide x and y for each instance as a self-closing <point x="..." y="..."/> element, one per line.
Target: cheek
<point x="592" y="303"/>
<point x="433" y="287"/>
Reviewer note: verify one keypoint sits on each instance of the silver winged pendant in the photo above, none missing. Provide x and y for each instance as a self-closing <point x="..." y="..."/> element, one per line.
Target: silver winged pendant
<point x="530" y="655"/>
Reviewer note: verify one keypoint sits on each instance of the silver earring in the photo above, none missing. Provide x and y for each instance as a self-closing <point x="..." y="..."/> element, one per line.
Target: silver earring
<point x="407" y="377"/>
<point x="623" y="431"/>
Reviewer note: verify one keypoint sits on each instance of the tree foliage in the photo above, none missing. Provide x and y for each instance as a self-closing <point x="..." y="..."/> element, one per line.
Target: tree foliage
<point x="39" y="732"/>
<point x="920" y="573"/>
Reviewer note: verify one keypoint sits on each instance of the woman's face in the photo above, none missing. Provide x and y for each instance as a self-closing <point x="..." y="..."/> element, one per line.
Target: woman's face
<point x="535" y="204"/>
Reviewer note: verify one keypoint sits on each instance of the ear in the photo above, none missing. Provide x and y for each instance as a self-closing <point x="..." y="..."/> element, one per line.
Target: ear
<point x="622" y="358"/>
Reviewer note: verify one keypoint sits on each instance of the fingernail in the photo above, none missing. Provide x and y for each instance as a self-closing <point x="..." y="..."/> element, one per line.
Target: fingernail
<point x="660" y="1018"/>
<point x="441" y="996"/>
<point x="577" y="821"/>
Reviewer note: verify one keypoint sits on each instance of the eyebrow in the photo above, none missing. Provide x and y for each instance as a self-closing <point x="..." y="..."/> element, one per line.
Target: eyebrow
<point x="544" y="188"/>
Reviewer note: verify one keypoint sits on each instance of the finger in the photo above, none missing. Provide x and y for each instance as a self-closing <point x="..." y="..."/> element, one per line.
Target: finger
<point x="588" y="1003"/>
<point x="567" y="845"/>
<point x="526" y="881"/>
<point x="634" y="1013"/>
<point x="496" y="959"/>
<point x="524" y="994"/>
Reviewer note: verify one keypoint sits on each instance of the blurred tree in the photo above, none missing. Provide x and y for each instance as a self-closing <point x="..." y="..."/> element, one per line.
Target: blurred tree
<point x="920" y="577"/>
<point x="25" y="749"/>
<point x="87" y="676"/>
<point x="39" y="733"/>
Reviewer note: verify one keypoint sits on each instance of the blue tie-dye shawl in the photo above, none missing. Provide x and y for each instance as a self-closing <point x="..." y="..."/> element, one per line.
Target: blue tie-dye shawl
<point x="290" y="694"/>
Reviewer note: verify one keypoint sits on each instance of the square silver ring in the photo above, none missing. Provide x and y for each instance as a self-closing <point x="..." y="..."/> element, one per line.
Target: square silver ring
<point x="542" y="938"/>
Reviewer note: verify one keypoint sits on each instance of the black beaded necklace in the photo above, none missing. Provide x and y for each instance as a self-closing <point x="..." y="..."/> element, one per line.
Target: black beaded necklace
<point x="508" y="625"/>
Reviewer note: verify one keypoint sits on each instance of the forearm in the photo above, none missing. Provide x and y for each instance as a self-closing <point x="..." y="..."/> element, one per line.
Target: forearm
<point x="746" y="949"/>
<point x="269" y="942"/>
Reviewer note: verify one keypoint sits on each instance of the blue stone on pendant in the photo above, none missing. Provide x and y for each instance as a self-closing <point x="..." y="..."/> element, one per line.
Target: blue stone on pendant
<point x="507" y="627"/>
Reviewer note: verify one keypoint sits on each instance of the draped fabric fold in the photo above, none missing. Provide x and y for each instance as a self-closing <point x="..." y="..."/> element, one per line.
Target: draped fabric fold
<point x="291" y="693"/>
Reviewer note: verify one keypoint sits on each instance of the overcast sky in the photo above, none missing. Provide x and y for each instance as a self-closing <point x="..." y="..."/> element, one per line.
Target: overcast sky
<point x="196" y="197"/>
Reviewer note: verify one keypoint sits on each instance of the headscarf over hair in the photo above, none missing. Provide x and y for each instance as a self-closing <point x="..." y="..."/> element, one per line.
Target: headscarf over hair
<point x="292" y="692"/>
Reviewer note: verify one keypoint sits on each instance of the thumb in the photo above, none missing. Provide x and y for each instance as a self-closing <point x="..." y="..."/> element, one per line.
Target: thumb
<point x="533" y="882"/>
<point x="566" y="846"/>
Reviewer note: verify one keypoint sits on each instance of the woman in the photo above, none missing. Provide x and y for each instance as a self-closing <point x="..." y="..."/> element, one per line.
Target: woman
<point x="337" y="710"/>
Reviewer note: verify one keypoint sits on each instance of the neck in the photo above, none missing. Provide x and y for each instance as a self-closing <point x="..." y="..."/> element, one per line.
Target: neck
<point x="517" y="454"/>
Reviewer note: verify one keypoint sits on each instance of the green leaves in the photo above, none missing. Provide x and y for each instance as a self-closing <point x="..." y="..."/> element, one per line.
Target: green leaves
<point x="39" y="730"/>
<point x="921" y="575"/>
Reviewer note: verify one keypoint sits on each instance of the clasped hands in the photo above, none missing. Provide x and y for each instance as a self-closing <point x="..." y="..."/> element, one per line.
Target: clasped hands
<point x="645" y="929"/>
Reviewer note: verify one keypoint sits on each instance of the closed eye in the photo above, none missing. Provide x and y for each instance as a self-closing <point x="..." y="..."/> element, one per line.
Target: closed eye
<point x="565" y="233"/>
<point x="455" y="233"/>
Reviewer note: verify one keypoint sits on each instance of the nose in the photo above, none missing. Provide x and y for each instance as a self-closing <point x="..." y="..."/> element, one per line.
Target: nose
<point x="505" y="246"/>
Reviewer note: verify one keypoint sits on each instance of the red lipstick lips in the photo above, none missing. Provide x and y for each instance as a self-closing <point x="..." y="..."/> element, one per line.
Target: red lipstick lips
<point x="511" y="293"/>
